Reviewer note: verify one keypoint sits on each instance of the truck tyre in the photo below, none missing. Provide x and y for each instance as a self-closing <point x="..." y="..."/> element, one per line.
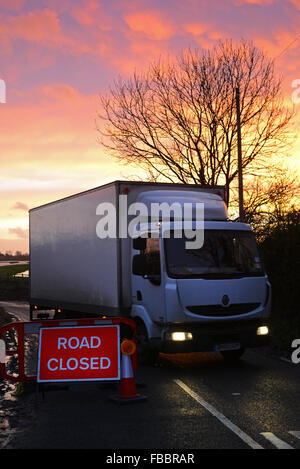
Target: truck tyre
<point x="146" y="355"/>
<point x="232" y="355"/>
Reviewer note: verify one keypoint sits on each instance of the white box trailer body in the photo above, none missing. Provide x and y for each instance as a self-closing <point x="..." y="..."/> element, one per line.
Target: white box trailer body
<point x="74" y="271"/>
<point x="70" y="267"/>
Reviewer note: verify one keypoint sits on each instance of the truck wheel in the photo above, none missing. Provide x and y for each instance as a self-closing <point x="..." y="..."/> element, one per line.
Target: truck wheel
<point x="146" y="355"/>
<point x="232" y="355"/>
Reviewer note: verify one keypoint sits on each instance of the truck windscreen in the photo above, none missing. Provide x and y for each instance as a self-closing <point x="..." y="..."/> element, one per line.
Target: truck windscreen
<point x="224" y="254"/>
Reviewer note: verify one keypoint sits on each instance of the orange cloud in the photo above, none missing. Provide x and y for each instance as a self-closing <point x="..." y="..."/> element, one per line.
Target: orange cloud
<point x="205" y="34"/>
<point x="254" y="2"/>
<point x="20" y="206"/>
<point x="151" y="23"/>
<point x="18" y="232"/>
<point x="196" y="28"/>
<point x="140" y="54"/>
<point x="60" y="91"/>
<point x="85" y="15"/>
<point x="90" y="13"/>
<point x="296" y="3"/>
<point x="13" y="5"/>
<point x="37" y="26"/>
<point x="41" y="27"/>
<point x="275" y="45"/>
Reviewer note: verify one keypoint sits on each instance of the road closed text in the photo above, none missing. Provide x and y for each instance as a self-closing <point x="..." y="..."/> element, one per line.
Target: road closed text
<point x="79" y="353"/>
<point x="84" y="363"/>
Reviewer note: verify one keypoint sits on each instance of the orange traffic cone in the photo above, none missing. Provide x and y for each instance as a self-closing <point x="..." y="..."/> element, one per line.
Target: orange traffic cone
<point x="127" y="391"/>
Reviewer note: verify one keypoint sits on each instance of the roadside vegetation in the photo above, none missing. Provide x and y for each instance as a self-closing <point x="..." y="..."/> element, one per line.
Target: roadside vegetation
<point x="280" y="249"/>
<point x="13" y="288"/>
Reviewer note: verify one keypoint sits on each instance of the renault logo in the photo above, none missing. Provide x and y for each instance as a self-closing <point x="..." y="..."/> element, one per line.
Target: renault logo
<point x="225" y="300"/>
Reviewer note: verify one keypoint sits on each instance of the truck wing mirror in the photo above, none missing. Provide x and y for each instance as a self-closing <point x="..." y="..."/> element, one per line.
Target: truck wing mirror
<point x="139" y="244"/>
<point x="139" y="265"/>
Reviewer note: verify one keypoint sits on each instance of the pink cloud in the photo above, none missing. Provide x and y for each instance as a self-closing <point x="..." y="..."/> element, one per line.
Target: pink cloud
<point x="196" y="28"/>
<point x="18" y="232"/>
<point x="60" y="6"/>
<point x="42" y="27"/>
<point x="151" y="23"/>
<point x="20" y="206"/>
<point x="60" y="91"/>
<point x="13" y="5"/>
<point x="90" y="13"/>
<point x="139" y="54"/>
<point x="296" y="3"/>
<point x="85" y="15"/>
<point x="205" y="34"/>
<point x="254" y="2"/>
<point x="278" y="44"/>
<point x="37" y="26"/>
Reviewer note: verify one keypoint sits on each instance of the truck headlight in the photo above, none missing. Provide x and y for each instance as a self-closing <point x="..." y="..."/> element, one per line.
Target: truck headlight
<point x="262" y="330"/>
<point x="180" y="336"/>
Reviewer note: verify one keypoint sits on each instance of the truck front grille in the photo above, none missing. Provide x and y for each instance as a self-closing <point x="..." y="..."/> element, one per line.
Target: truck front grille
<point x="223" y="311"/>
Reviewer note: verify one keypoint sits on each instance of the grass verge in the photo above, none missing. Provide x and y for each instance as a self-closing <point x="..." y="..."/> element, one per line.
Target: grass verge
<point x="8" y="271"/>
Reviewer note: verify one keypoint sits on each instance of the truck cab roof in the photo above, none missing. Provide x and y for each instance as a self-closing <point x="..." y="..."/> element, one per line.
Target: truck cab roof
<point x="214" y="206"/>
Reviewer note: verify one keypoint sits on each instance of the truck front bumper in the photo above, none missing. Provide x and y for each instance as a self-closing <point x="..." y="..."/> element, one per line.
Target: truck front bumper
<point x="212" y="336"/>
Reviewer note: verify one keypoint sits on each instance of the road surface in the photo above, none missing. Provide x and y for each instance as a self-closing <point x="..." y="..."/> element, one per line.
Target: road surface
<point x="193" y="402"/>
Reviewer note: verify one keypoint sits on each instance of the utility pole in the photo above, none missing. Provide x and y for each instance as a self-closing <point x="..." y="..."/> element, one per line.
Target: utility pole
<point x="239" y="139"/>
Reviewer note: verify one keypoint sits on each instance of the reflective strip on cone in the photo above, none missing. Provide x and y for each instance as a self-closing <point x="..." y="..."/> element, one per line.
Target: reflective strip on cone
<point x="127" y="393"/>
<point x="2" y="351"/>
<point x="127" y="389"/>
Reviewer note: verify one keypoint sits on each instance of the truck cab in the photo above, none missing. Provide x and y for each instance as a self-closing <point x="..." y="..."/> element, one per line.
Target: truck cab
<point x="216" y="297"/>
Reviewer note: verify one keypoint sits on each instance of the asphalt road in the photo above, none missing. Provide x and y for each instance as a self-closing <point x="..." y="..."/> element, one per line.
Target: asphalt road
<point x="193" y="402"/>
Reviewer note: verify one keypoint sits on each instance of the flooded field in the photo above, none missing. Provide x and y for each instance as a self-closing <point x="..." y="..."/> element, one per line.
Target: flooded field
<point x="23" y="274"/>
<point x="5" y="263"/>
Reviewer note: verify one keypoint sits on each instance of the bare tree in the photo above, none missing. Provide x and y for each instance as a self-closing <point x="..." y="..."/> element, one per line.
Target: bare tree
<point x="268" y="200"/>
<point x="178" y="120"/>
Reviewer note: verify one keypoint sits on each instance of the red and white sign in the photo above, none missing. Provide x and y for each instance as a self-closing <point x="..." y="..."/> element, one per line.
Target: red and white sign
<point x="83" y="353"/>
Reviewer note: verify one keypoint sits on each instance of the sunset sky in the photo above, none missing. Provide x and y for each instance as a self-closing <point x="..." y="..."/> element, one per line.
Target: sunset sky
<point x="58" y="55"/>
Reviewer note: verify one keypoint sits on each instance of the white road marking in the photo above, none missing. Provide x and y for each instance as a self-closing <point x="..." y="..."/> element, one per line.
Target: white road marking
<point x="296" y="434"/>
<point x="280" y="444"/>
<point x="224" y="420"/>
<point x="283" y="359"/>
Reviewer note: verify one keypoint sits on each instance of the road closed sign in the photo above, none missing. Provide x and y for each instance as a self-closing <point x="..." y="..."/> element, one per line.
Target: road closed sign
<point x="83" y="353"/>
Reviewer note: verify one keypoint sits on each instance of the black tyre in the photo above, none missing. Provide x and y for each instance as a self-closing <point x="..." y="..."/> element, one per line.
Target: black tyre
<point x="146" y="355"/>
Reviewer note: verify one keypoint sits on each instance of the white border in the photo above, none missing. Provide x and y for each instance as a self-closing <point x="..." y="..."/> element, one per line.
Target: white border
<point x="77" y="380"/>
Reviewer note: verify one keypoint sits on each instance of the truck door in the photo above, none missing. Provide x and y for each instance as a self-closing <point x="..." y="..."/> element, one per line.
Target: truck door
<point x="148" y="290"/>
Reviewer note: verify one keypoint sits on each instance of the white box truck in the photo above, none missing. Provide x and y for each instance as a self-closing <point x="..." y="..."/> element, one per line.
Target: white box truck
<point x="210" y="297"/>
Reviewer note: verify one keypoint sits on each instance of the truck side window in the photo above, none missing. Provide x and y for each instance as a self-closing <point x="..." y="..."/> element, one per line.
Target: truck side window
<point x="152" y="253"/>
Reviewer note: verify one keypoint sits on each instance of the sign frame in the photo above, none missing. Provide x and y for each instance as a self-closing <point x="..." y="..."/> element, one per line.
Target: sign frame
<point x="62" y="328"/>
